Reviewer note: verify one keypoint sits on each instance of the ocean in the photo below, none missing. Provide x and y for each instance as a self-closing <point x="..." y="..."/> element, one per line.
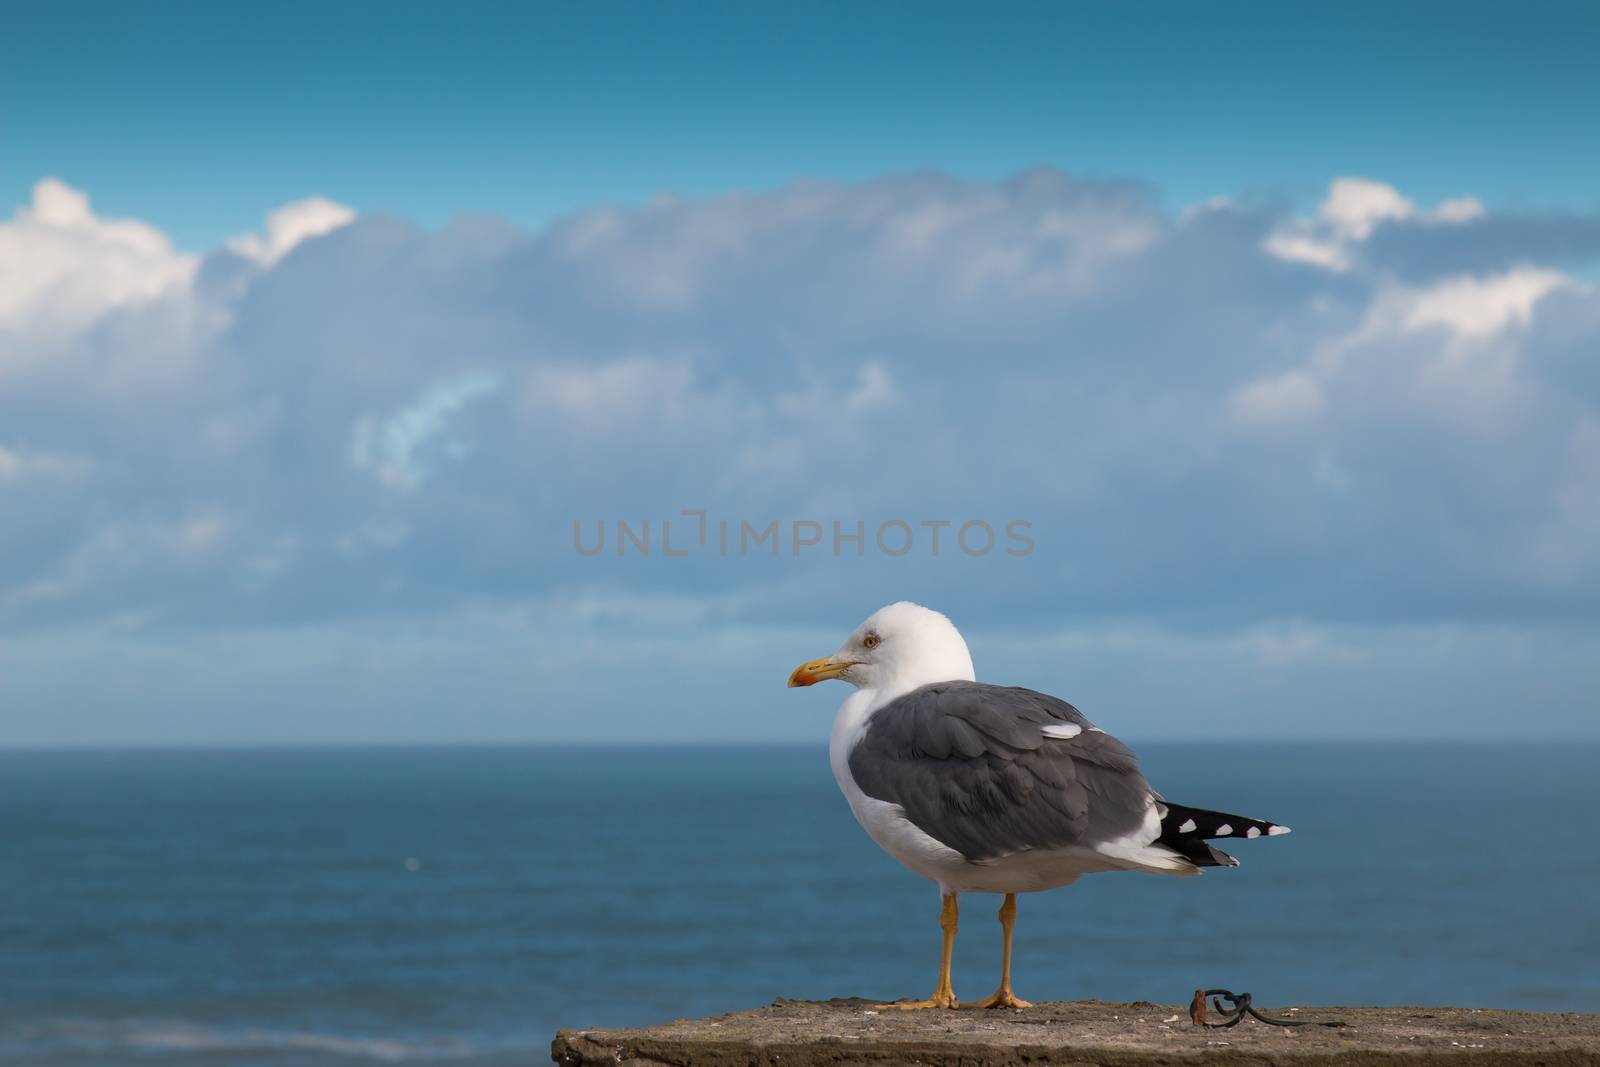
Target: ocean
<point x="457" y="905"/>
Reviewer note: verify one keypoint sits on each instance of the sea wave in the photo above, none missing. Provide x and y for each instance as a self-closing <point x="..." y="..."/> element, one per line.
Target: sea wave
<point x="176" y="1037"/>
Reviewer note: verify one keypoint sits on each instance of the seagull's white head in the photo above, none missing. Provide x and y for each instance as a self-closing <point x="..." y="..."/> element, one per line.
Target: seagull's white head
<point x="899" y="648"/>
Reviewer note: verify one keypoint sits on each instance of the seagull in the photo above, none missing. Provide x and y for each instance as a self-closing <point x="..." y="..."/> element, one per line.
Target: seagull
<point x="993" y="789"/>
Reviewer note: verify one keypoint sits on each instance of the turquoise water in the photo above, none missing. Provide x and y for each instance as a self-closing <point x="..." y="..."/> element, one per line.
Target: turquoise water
<point x="457" y="905"/>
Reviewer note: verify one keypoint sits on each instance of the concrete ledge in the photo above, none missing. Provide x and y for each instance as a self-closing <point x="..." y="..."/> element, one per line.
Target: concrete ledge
<point x="837" y="1033"/>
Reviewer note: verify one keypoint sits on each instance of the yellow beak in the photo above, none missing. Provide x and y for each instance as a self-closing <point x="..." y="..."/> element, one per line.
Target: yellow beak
<point x="818" y="670"/>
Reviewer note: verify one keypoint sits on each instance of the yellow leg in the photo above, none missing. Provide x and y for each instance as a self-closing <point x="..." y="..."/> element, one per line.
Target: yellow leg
<point x="1003" y="997"/>
<point x="944" y="996"/>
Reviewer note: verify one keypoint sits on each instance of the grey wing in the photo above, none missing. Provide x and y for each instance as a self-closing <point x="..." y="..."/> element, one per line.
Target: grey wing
<point x="991" y="770"/>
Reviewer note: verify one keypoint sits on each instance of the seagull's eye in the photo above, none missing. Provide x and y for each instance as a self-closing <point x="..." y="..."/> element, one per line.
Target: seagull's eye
<point x="870" y="641"/>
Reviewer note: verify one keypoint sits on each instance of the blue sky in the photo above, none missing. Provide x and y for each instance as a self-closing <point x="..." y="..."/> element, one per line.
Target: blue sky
<point x="320" y="330"/>
<point x="201" y="117"/>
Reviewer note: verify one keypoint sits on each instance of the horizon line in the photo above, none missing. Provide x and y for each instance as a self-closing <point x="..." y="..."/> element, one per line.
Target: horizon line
<point x="1212" y="741"/>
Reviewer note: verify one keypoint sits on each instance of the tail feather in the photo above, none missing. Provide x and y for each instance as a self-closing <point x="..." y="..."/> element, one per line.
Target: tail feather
<point x="1185" y="831"/>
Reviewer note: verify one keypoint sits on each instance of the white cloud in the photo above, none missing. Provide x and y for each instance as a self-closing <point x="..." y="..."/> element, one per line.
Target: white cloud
<point x="1480" y="307"/>
<point x="1300" y="247"/>
<point x="1568" y="547"/>
<point x="62" y="267"/>
<point x="196" y="535"/>
<point x="111" y="554"/>
<point x="289" y="225"/>
<point x="623" y="395"/>
<point x="1436" y="354"/>
<point x="873" y="390"/>
<point x="18" y="466"/>
<point x="1077" y="357"/>
<point x="1349" y="214"/>
<point x="1354" y="206"/>
<point x="912" y="232"/>
<point x="1064" y="250"/>
<point x="1282" y="400"/>
<point x="1461" y="209"/>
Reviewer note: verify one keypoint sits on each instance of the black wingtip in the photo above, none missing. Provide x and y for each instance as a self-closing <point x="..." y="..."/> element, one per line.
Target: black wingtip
<point x="1185" y="830"/>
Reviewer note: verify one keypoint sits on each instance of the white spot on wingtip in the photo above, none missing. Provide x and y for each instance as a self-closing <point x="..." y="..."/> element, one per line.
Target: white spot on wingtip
<point x="1062" y="730"/>
<point x="1224" y="830"/>
<point x="1254" y="831"/>
<point x="1276" y="830"/>
<point x="1188" y="827"/>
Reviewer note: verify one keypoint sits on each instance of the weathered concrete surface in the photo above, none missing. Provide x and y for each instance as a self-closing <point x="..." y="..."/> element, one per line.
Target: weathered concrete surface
<point x="837" y="1033"/>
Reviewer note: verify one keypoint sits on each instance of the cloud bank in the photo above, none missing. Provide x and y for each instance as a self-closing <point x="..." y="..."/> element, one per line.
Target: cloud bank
<point x="1375" y="430"/>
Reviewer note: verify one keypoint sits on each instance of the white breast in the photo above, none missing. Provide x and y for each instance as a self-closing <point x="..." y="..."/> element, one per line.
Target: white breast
<point x="885" y="823"/>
